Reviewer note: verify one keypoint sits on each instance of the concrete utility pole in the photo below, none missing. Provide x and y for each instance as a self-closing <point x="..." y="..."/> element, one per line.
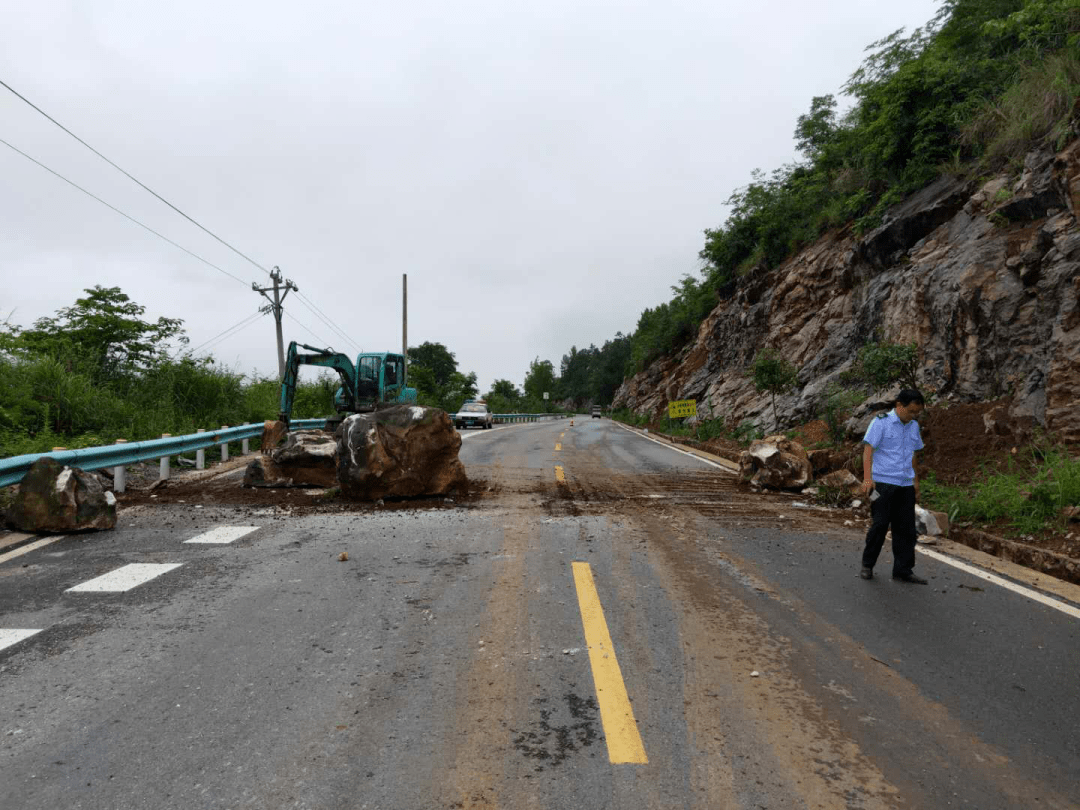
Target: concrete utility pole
<point x="405" y="317"/>
<point x="275" y="307"/>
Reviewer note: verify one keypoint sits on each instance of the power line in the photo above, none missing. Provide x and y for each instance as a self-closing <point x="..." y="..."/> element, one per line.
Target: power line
<point x="232" y="330"/>
<point x="318" y="313"/>
<point x="132" y="178"/>
<point x="121" y="213"/>
<point x="293" y="317"/>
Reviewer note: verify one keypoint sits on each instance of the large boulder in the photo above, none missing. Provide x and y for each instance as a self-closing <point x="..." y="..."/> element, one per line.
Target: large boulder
<point x="399" y="452"/>
<point x="775" y="462"/>
<point x="55" y="498"/>
<point x="308" y="459"/>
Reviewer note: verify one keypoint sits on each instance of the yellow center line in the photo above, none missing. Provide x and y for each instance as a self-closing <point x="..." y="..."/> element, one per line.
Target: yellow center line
<point x="559" y="475"/>
<point x="558" y="446"/>
<point x="616" y="714"/>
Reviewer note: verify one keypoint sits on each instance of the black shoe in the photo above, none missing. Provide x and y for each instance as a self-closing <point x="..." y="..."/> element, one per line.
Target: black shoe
<point x="912" y="578"/>
<point x="867" y="573"/>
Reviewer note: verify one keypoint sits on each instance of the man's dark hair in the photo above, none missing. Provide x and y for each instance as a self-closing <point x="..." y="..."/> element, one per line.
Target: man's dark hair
<point x="909" y="395"/>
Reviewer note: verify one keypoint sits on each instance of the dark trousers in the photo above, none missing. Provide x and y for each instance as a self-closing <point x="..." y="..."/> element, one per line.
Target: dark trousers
<point x="896" y="506"/>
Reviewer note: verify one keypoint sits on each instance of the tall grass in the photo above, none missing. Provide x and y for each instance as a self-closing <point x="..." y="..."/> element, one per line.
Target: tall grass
<point x="48" y="402"/>
<point x="1028" y="500"/>
<point x="1036" y="108"/>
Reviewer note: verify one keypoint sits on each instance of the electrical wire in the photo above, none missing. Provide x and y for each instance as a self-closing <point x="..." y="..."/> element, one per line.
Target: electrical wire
<point x="121" y="213"/>
<point x="318" y="313"/>
<point x="232" y="330"/>
<point x="323" y="342"/>
<point x="132" y="178"/>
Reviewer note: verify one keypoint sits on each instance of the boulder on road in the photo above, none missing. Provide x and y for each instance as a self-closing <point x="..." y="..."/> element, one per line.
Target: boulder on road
<point x="308" y="459"/>
<point x="399" y="452"/>
<point x="775" y="462"/>
<point x="55" y="498"/>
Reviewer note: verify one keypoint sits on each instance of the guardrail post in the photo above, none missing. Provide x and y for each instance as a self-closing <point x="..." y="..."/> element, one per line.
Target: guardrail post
<point x="245" y="448"/>
<point x="224" y="447"/>
<point x="119" y="475"/>
<point x="164" y="472"/>
<point x="200" y="454"/>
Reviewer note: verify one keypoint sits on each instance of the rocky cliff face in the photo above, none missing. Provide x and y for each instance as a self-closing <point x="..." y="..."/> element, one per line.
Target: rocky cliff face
<point x="984" y="279"/>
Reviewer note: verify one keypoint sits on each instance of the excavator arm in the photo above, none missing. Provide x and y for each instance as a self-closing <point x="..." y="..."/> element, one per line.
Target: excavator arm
<point x="319" y="357"/>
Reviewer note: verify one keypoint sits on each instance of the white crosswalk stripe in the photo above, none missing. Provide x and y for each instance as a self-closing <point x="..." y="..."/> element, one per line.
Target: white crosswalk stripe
<point x="223" y="534"/>
<point x="125" y="578"/>
<point x="11" y="636"/>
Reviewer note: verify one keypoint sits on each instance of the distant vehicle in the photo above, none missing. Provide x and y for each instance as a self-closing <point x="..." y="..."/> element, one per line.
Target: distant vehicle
<point x="597" y="412"/>
<point x="473" y="414"/>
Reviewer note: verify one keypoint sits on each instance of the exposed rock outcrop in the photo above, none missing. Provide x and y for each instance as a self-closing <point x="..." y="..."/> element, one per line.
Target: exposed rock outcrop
<point x="985" y="280"/>
<point x="399" y="452"/>
<point x="55" y="498"/>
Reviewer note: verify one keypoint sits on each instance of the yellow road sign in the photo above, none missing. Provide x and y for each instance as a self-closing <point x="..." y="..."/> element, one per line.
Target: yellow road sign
<point x="682" y="407"/>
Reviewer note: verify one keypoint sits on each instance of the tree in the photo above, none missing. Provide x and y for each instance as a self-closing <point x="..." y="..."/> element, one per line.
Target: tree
<point x="883" y="364"/>
<point x="437" y="357"/>
<point x="774" y="374"/>
<point x="105" y="332"/>
<point x="540" y="379"/>
<point x="504" y="397"/>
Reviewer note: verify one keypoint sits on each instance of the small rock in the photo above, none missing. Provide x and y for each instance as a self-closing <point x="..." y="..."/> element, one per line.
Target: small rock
<point x="343" y="556"/>
<point x="755" y="674"/>
<point x="849" y="522"/>
<point x="856" y="504"/>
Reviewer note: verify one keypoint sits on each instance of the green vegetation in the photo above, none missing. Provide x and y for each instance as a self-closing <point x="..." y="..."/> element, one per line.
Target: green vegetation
<point x="774" y="374"/>
<point x="1027" y="500"/>
<point x="881" y="364"/>
<point x="433" y="372"/>
<point x="836" y="409"/>
<point x="97" y="372"/>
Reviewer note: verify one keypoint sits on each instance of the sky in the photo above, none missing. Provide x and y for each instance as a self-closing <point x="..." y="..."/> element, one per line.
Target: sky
<point x="542" y="172"/>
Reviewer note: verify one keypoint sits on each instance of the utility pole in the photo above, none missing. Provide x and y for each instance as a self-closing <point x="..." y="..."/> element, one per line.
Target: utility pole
<point x="275" y="307"/>
<point x="405" y="317"/>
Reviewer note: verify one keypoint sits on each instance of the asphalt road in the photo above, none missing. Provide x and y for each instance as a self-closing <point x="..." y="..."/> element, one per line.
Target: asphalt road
<point x="605" y="623"/>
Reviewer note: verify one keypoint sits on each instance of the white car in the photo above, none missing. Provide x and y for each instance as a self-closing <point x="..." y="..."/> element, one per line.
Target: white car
<point x="473" y="414"/>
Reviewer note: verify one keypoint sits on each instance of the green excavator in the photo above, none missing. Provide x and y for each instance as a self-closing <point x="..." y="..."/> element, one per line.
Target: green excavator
<point x="376" y="380"/>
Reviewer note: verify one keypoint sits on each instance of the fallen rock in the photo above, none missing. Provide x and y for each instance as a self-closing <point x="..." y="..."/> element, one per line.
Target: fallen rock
<point x="55" y="498"/>
<point x="274" y="433"/>
<point x="308" y="459"/>
<point x="842" y="479"/>
<point x="927" y="522"/>
<point x="399" y="452"/>
<point x="775" y="462"/>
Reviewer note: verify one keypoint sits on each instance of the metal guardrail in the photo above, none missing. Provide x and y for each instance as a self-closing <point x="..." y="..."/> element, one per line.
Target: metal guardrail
<point x="14" y="468"/>
<point x="527" y="417"/>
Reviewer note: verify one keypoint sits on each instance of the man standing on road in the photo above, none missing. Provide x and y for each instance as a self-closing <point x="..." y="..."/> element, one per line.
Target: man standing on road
<point x="889" y="448"/>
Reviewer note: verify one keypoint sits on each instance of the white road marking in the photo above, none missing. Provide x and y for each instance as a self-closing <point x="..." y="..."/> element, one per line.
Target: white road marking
<point x="126" y="578"/>
<point x="223" y="534"/>
<point x="677" y="450"/>
<point x="9" y="637"/>
<point x="1067" y="609"/>
<point x="12" y="538"/>
<point x="11" y="555"/>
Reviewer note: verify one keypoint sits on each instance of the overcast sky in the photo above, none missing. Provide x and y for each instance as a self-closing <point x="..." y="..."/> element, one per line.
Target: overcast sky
<point x="542" y="172"/>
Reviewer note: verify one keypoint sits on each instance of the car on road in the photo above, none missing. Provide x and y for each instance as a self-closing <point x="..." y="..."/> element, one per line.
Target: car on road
<point x="597" y="412"/>
<point x="473" y="414"/>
